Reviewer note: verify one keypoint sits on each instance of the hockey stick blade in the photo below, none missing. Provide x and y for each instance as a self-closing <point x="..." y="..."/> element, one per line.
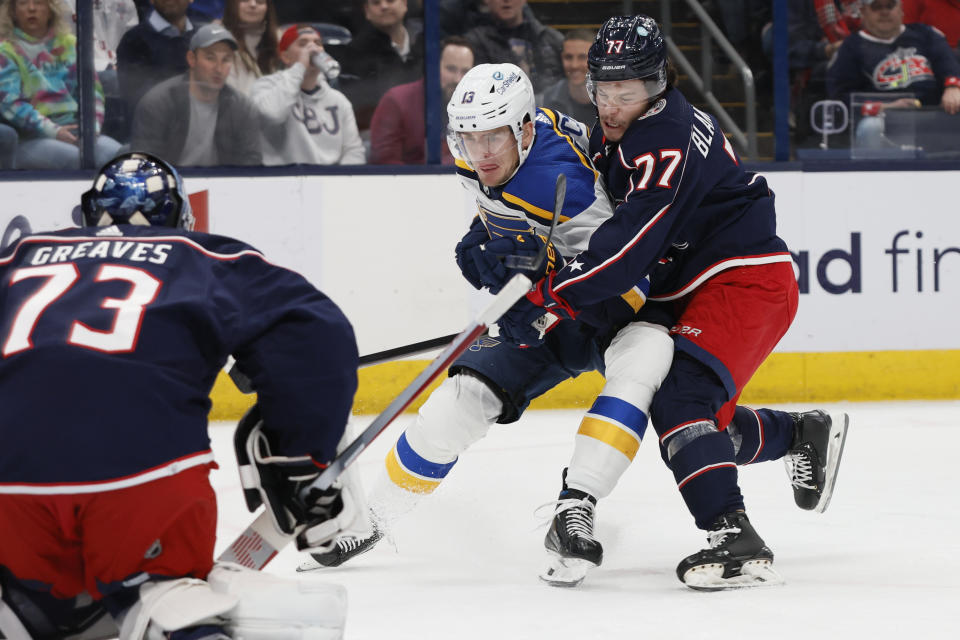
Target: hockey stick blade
<point x="244" y="385"/>
<point x="526" y="263"/>
<point x="261" y="541"/>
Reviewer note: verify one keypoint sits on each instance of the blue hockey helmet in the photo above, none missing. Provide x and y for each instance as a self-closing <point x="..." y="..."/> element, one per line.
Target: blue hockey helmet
<point x="628" y="48"/>
<point x="137" y="188"/>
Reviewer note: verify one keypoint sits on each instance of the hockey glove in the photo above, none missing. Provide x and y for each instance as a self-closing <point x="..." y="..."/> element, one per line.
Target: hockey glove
<point x="536" y="314"/>
<point x="474" y="237"/>
<point x="489" y="259"/>
<point x="282" y="484"/>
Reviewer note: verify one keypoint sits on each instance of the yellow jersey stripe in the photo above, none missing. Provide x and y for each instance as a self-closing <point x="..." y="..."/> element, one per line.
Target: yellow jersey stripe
<point x="552" y="115"/>
<point x="532" y="208"/>
<point x="634" y="298"/>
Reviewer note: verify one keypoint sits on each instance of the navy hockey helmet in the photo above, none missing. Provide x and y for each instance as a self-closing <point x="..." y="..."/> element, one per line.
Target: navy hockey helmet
<point x="137" y="188"/>
<point x="628" y="48"/>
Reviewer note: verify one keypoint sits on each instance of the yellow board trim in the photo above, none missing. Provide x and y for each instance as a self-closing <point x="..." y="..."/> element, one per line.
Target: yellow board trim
<point x="406" y="480"/>
<point x="784" y="377"/>
<point x="610" y="434"/>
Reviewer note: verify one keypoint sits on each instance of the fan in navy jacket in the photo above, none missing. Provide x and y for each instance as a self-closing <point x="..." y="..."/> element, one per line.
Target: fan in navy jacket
<point x="889" y="56"/>
<point x="112" y="336"/>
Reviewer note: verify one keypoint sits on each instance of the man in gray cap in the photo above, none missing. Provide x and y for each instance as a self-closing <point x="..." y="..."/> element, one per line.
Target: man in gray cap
<point x="196" y="119"/>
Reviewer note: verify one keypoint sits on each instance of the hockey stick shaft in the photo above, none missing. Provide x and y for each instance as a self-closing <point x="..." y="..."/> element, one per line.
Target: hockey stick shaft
<point x="242" y="382"/>
<point x="261" y="541"/>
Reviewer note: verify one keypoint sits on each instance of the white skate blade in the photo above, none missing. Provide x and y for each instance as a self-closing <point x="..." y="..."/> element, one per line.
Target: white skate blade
<point x="838" y="438"/>
<point x="309" y="565"/>
<point x="565" y="572"/>
<point x="754" y="573"/>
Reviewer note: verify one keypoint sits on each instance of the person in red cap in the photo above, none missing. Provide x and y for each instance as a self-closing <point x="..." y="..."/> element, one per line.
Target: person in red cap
<point x="304" y="120"/>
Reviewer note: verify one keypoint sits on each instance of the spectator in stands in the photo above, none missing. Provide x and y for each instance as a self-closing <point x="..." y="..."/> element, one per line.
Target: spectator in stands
<point x="205" y="11"/>
<point x="8" y="146"/>
<point x="253" y="24"/>
<point x="398" y="131"/>
<point x="837" y="18"/>
<point x="154" y="50"/>
<point x="39" y="94"/>
<point x="942" y="14"/>
<point x="516" y="36"/>
<point x="809" y="52"/>
<point x="569" y="95"/>
<point x="111" y="19"/>
<point x="303" y="119"/>
<point x="888" y="56"/>
<point x="196" y="119"/>
<point x="385" y="51"/>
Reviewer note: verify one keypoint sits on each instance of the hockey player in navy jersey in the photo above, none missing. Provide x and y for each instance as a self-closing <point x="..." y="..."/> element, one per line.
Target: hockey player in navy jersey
<point x="112" y="337"/>
<point x="509" y="154"/>
<point x="705" y="230"/>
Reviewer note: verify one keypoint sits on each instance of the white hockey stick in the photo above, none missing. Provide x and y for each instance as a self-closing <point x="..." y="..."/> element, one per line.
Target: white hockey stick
<point x="261" y="541"/>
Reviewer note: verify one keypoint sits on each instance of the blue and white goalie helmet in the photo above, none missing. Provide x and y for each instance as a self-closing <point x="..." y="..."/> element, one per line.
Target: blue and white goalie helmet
<point x="488" y="97"/>
<point x="137" y="188"/>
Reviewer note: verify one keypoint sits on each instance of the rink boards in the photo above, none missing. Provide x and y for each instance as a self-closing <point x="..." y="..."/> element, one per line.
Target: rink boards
<point x="877" y="256"/>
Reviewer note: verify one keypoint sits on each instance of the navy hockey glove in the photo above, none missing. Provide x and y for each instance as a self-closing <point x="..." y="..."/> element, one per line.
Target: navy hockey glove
<point x="474" y="237"/>
<point x="536" y="314"/>
<point x="489" y="259"/>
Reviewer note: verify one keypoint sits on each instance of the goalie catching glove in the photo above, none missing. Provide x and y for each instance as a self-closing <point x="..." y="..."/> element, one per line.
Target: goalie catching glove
<point x="317" y="517"/>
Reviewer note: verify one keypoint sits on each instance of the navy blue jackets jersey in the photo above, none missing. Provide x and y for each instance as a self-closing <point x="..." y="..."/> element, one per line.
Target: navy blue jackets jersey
<point x="918" y="61"/>
<point x="111" y="341"/>
<point x="685" y="209"/>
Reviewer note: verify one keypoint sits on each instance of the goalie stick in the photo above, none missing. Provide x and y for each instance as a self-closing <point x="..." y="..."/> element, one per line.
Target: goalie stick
<point x="256" y="546"/>
<point x="244" y="385"/>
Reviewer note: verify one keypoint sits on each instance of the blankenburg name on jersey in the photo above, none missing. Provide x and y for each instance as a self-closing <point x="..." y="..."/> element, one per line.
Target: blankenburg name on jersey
<point x="700" y="139"/>
<point x="156" y="253"/>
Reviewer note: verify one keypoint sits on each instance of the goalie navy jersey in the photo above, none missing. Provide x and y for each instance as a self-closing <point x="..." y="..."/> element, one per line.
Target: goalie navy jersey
<point x="111" y="341"/>
<point x="918" y="61"/>
<point x="685" y="209"/>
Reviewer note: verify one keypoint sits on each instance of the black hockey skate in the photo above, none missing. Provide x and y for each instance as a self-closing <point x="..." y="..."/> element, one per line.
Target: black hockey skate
<point x="814" y="457"/>
<point x="737" y="558"/>
<point x="346" y="548"/>
<point x="570" y="543"/>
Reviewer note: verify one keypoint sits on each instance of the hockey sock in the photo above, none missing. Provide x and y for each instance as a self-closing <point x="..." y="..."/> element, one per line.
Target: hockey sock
<point x="411" y="471"/>
<point x="706" y="475"/>
<point x="759" y="435"/>
<point x="606" y="443"/>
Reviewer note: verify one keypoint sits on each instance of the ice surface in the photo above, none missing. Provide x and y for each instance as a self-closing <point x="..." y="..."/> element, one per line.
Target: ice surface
<point x="882" y="562"/>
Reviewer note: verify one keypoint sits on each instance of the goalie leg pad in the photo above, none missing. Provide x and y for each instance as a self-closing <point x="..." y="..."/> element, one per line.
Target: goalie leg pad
<point x="637" y="361"/>
<point x="271" y="607"/>
<point x="172" y="605"/>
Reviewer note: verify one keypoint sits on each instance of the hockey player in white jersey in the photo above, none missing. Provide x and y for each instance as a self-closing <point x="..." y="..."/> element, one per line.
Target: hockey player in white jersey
<point x="509" y="154"/>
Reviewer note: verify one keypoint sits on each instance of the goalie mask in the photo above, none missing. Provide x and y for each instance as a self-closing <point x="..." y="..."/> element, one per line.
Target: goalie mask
<point x="486" y="115"/>
<point x="137" y="188"/>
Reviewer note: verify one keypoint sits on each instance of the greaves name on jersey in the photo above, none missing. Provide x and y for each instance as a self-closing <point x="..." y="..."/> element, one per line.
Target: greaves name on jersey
<point x="156" y="253"/>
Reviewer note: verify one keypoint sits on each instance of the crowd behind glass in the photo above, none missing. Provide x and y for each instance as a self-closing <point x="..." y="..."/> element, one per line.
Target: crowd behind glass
<point x="280" y="82"/>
